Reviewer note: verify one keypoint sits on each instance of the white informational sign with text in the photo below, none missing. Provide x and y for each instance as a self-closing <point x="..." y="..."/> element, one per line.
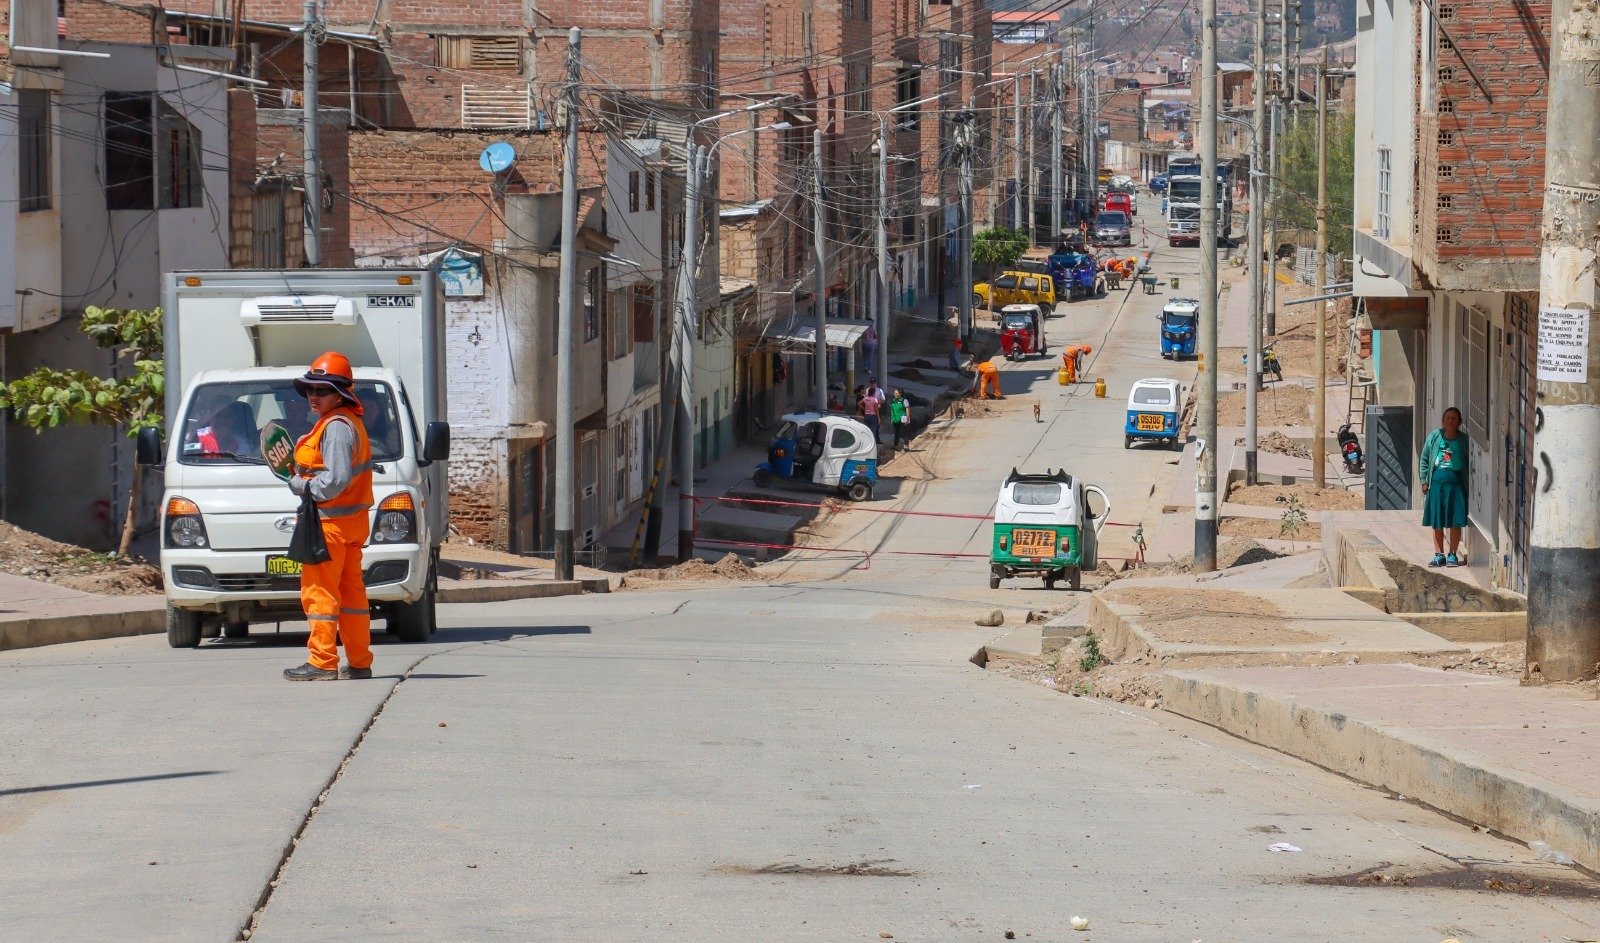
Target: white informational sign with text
<point x="1564" y="345"/>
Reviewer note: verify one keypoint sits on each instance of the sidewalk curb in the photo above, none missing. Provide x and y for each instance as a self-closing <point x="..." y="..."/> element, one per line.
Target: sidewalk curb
<point x="475" y="591"/>
<point x="1456" y="781"/>
<point x="85" y="627"/>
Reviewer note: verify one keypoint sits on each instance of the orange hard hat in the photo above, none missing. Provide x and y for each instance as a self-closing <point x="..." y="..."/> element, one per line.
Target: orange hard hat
<point x="332" y="369"/>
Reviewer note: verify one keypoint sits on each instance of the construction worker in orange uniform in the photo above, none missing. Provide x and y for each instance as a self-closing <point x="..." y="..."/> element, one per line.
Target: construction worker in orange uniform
<point x="988" y="376"/>
<point x="334" y="462"/>
<point x="1072" y="360"/>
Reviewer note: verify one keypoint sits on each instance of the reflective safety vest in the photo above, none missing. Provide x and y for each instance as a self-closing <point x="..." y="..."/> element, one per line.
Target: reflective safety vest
<point x="357" y="496"/>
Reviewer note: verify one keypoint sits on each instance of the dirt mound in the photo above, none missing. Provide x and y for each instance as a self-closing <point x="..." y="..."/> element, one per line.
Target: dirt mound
<point x="730" y="569"/>
<point x="920" y="362"/>
<point x="1276" y="441"/>
<point x="1238" y="551"/>
<point x="1269" y="528"/>
<point x="910" y="375"/>
<point x="24" y="553"/>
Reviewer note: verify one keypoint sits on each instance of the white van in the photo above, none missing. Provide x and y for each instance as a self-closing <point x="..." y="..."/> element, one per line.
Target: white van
<point x="235" y="342"/>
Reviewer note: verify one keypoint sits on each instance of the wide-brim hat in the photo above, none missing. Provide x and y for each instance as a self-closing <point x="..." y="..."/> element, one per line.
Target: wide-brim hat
<point x="338" y="384"/>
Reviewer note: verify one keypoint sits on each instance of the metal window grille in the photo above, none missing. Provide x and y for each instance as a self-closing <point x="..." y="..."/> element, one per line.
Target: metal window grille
<point x="1385" y="182"/>
<point x="481" y="53"/>
<point x="491" y="106"/>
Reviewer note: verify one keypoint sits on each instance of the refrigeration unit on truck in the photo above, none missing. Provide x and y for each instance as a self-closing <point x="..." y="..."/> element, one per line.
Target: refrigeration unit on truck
<point x="235" y="342"/>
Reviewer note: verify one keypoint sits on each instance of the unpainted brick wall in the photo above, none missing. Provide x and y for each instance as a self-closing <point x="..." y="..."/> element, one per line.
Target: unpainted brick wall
<point x="1485" y="188"/>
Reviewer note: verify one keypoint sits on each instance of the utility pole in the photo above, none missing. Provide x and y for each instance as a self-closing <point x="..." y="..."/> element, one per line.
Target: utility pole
<point x="885" y="303"/>
<point x="1563" y="591"/>
<point x="820" y="248"/>
<point x="1033" y="145"/>
<point x="1056" y="93"/>
<point x="311" y="38"/>
<point x="688" y="323"/>
<point x="1319" y="409"/>
<point x="965" y="132"/>
<point x="566" y="493"/>
<point x="1205" y="484"/>
<point x="1016" y="156"/>
<point x="1257" y="131"/>
<point x="1271" y="329"/>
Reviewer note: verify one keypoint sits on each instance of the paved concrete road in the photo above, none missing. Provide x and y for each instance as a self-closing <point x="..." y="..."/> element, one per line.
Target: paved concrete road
<point x="811" y="758"/>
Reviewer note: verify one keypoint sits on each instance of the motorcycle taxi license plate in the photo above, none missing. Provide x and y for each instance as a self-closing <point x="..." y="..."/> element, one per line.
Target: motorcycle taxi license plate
<point x="282" y="566"/>
<point x="1033" y="543"/>
<point x="1150" y="422"/>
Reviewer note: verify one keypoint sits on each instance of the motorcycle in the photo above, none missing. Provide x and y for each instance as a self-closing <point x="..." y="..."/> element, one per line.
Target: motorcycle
<point x="1270" y="365"/>
<point x="1350" y="447"/>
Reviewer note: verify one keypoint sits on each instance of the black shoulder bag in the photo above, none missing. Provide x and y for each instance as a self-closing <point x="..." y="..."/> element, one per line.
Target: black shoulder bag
<point x="308" y="545"/>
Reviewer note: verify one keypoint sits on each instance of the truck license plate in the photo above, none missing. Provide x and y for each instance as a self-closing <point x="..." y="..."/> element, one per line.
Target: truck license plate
<point x="282" y="566"/>
<point x="1150" y="423"/>
<point x="1033" y="543"/>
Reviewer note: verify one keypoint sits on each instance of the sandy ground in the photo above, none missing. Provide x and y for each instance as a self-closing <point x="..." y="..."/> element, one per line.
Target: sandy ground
<point x="1209" y="616"/>
<point x="1270" y="528"/>
<point x="24" y="553"/>
<point x="1280" y="404"/>
<point x="1310" y="497"/>
<point x="1276" y="441"/>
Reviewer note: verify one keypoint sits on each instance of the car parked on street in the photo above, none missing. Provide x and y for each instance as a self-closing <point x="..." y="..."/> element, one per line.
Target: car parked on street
<point x="1113" y="228"/>
<point x="1158" y="183"/>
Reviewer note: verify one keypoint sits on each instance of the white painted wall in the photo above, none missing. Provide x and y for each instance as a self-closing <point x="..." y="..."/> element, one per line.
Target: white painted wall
<point x="1385" y="118"/>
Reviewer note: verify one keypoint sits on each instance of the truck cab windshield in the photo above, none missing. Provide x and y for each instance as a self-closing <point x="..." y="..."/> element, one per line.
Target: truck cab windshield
<point x="224" y="420"/>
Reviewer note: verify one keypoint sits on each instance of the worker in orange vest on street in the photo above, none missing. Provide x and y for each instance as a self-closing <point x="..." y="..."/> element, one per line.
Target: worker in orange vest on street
<point x="988" y="376"/>
<point x="1072" y="360"/>
<point x="334" y="462"/>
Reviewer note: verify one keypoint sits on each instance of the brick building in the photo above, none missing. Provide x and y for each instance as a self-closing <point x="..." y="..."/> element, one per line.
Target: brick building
<point x="1449" y="192"/>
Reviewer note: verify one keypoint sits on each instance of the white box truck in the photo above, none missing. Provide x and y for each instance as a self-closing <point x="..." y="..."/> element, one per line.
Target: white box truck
<point x="235" y="342"/>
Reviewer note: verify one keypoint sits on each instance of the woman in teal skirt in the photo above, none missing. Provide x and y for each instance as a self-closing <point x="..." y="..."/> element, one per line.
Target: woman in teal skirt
<point x="1443" y="473"/>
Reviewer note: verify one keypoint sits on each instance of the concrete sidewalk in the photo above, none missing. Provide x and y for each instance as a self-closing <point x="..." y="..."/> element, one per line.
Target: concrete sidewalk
<point x="1518" y="760"/>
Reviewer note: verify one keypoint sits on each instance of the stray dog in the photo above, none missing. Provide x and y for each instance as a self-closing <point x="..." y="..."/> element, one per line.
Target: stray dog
<point x="1036" y="416"/>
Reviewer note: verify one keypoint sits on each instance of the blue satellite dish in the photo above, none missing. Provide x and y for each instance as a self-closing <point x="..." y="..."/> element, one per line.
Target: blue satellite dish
<point x="497" y="157"/>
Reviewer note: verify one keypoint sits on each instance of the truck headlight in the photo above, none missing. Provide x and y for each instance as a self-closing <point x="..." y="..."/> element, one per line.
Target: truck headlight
<point x="397" y="520"/>
<point x="184" y="527"/>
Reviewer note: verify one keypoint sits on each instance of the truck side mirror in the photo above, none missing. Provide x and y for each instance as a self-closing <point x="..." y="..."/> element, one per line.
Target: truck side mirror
<point x="147" y="447"/>
<point x="436" y="443"/>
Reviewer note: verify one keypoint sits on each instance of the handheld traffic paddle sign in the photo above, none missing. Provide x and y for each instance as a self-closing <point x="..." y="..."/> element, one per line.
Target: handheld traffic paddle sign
<point x="277" y="449"/>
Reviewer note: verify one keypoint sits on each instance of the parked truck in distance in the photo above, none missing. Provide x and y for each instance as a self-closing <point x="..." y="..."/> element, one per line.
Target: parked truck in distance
<point x="235" y="342"/>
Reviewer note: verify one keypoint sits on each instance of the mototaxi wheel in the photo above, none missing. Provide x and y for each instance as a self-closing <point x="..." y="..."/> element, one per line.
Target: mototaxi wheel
<point x="762" y="478"/>
<point x="859" y="491"/>
<point x="1075" y="578"/>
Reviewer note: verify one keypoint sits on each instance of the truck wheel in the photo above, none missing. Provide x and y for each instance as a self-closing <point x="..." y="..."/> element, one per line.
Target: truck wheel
<point x="183" y="628"/>
<point x="1075" y="578"/>
<point x="859" y="491"/>
<point x="762" y="478"/>
<point x="413" y="621"/>
<point x="236" y="630"/>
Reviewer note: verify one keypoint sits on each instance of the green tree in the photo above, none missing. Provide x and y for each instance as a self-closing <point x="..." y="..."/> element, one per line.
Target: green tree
<point x="998" y="246"/>
<point x="48" y="397"/>
<point x="1297" y="169"/>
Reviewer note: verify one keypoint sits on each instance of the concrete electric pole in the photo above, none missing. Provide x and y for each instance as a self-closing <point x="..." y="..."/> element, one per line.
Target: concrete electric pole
<point x="1258" y="131"/>
<point x="311" y="38"/>
<point x="885" y="303"/>
<point x="964" y="139"/>
<point x="687" y="327"/>
<point x="1563" y="589"/>
<point x="1056" y="93"/>
<point x="1319" y="408"/>
<point x="1016" y="154"/>
<point x="568" y="291"/>
<point x="1205" y="483"/>
<point x="819" y="247"/>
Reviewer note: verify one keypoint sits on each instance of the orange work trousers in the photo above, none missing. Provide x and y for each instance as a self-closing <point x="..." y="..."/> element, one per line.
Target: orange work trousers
<point x="988" y="377"/>
<point x="334" y="597"/>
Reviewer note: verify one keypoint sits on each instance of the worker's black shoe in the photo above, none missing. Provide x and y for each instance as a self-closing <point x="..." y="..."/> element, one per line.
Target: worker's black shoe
<point x="309" y="672"/>
<point x="351" y="673"/>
